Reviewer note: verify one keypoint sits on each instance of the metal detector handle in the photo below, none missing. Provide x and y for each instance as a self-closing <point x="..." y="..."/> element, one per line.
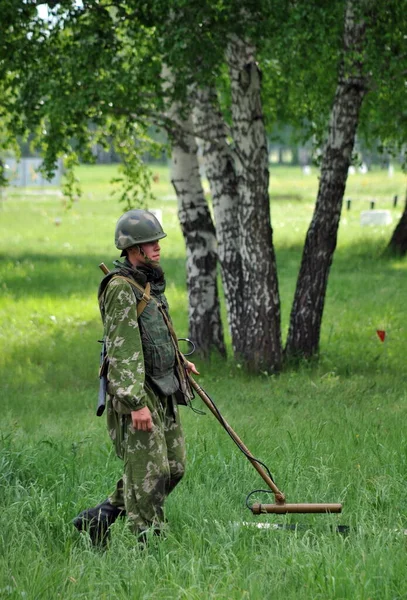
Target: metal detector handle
<point x="279" y="496"/>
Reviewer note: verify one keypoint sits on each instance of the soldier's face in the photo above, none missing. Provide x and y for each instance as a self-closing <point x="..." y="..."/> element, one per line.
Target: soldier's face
<point x="152" y="251"/>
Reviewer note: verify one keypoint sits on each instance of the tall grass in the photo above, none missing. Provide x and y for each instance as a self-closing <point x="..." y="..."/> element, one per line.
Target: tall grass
<point x="332" y="430"/>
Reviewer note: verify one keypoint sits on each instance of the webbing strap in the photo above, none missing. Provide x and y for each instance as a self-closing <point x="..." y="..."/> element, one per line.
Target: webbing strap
<point x="145" y="299"/>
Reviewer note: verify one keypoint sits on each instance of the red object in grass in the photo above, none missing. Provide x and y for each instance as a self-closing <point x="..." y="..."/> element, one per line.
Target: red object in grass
<point x="381" y="334"/>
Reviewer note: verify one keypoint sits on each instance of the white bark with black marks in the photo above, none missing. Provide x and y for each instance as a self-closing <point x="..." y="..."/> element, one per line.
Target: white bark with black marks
<point x="220" y="171"/>
<point x="308" y="305"/>
<point x="205" y="325"/>
<point x="261" y="304"/>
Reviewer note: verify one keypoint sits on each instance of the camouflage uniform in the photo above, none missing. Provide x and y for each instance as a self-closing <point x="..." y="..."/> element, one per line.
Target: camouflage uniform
<point x="141" y="373"/>
<point x="144" y="370"/>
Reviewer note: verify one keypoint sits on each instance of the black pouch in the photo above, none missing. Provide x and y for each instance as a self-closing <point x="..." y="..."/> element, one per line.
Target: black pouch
<point x="184" y="394"/>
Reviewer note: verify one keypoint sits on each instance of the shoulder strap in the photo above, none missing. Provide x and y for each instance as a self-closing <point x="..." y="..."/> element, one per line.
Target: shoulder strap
<point x="145" y="298"/>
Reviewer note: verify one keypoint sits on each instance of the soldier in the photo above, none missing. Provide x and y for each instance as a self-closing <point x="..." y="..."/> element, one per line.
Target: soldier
<point x="145" y="379"/>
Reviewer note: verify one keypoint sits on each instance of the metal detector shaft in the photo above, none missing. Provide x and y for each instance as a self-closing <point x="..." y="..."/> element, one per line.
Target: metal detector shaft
<point x="279" y="496"/>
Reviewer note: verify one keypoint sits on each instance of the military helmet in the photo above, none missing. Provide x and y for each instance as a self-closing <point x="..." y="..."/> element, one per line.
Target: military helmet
<point x="137" y="226"/>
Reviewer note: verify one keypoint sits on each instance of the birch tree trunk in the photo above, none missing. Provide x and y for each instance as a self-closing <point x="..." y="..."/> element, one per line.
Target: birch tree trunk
<point x="219" y="165"/>
<point x="205" y="324"/>
<point x="308" y="305"/>
<point x="398" y="243"/>
<point x="261" y="332"/>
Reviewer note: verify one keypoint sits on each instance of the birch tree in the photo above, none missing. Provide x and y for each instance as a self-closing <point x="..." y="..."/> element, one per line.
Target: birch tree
<point x="320" y="243"/>
<point x="239" y="178"/>
<point x="204" y="319"/>
<point x="261" y="316"/>
<point x="218" y="160"/>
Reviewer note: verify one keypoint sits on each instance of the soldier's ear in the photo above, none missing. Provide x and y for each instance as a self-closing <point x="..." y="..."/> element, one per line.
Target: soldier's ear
<point x="133" y="251"/>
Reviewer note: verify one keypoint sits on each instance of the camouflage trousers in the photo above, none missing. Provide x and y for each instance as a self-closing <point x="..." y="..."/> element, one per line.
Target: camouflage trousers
<point x="154" y="462"/>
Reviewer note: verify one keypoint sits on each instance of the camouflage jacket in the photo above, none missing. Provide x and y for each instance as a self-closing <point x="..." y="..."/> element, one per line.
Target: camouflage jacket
<point x="138" y="350"/>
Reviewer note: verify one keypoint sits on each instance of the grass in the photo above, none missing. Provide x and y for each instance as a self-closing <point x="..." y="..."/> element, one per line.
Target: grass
<point x="330" y="431"/>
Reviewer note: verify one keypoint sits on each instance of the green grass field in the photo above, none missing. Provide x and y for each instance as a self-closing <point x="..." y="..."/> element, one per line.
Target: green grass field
<point x="330" y="431"/>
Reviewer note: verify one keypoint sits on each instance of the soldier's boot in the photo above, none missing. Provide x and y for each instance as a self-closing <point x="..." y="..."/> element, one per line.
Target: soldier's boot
<point x="97" y="521"/>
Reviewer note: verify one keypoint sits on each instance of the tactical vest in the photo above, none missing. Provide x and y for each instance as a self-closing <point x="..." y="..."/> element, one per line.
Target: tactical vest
<point x="158" y="349"/>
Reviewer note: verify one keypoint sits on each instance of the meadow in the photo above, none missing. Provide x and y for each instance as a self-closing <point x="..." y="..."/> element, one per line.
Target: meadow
<point x="332" y="430"/>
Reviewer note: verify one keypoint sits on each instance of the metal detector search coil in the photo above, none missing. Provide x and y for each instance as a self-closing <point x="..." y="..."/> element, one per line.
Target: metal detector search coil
<point x="283" y="509"/>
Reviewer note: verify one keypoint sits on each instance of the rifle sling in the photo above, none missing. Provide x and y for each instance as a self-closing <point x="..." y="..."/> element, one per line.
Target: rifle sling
<point x="145" y="299"/>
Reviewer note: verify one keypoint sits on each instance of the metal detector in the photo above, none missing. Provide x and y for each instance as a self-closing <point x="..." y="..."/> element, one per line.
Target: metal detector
<point x="280" y="507"/>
